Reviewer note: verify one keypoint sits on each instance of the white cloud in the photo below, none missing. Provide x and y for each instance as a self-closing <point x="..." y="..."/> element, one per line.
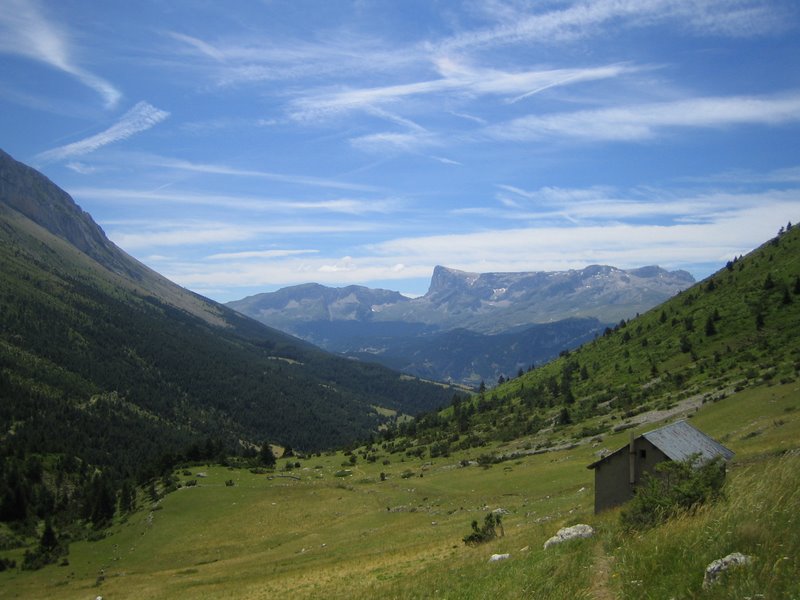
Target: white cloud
<point x="26" y="32"/>
<point x="150" y="237"/>
<point x="249" y="60"/>
<point x="458" y="78"/>
<point x="349" y="206"/>
<point x="403" y="142"/>
<point x="216" y="169"/>
<point x="81" y="168"/>
<point x="783" y="175"/>
<point x="645" y="121"/>
<point x="706" y="229"/>
<point x="140" y="118"/>
<point x="447" y="161"/>
<point x="344" y="265"/>
<point x="245" y="255"/>
<point x="588" y="18"/>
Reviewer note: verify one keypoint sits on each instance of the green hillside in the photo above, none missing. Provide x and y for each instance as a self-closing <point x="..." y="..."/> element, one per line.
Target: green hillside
<point x="735" y="330"/>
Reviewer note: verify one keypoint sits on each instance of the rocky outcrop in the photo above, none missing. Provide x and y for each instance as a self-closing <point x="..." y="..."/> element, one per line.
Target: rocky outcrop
<point x="499" y="557"/>
<point x="716" y="569"/>
<point x="566" y="534"/>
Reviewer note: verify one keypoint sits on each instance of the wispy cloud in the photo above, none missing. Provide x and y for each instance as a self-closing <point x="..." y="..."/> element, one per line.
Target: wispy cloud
<point x="645" y="121"/>
<point x="624" y="228"/>
<point x="258" y="254"/>
<point x="140" y="118"/>
<point x="719" y="235"/>
<point x="199" y="233"/>
<point x="738" y="18"/>
<point x="244" y="203"/>
<point x="396" y="141"/>
<point x="784" y="175"/>
<point x="25" y="31"/>
<point x="447" y="161"/>
<point x="252" y="60"/>
<point x="457" y="79"/>
<point x="217" y="169"/>
<point x="602" y="205"/>
<point x="82" y="168"/>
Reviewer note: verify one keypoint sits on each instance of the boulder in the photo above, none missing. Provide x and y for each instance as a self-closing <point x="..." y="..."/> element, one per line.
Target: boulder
<point x="496" y="557"/>
<point x="716" y="568"/>
<point x="570" y="533"/>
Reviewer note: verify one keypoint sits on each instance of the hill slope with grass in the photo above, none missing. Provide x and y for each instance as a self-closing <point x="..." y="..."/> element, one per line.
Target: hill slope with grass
<point x="388" y="518"/>
<point x="736" y="329"/>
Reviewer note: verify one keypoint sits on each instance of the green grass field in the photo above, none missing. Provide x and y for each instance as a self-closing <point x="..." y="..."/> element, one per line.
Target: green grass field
<point x="325" y="536"/>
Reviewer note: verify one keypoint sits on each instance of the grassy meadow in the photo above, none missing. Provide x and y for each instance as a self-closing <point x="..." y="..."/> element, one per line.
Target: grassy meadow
<point x="318" y="532"/>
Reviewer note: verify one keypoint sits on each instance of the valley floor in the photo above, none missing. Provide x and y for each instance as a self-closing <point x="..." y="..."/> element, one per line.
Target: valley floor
<point x="326" y="533"/>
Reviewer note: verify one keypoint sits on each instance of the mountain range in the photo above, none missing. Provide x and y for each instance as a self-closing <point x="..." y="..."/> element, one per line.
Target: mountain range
<point x="104" y="359"/>
<point x="468" y="327"/>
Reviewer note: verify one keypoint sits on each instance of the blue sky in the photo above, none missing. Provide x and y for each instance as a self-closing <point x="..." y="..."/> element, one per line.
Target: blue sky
<point x="239" y="147"/>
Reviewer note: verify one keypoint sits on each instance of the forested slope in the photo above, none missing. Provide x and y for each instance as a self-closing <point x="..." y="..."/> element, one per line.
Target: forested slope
<point x="105" y="360"/>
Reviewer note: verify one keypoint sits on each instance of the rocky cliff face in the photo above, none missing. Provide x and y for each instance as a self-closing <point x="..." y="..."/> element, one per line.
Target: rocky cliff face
<point x="27" y="191"/>
<point x="481" y="302"/>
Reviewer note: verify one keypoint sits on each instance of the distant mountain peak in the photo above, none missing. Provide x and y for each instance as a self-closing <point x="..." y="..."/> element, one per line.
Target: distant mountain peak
<point x="446" y="278"/>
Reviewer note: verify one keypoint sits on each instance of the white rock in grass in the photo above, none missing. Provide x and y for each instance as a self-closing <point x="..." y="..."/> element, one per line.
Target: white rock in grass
<point x="719" y="566"/>
<point x="496" y="557"/>
<point x="570" y="533"/>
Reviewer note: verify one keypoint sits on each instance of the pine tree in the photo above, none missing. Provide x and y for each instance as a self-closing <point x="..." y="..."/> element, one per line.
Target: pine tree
<point x="711" y="328"/>
<point x="48" y="541"/>
<point x="266" y="456"/>
<point x="127" y="497"/>
<point x="100" y="501"/>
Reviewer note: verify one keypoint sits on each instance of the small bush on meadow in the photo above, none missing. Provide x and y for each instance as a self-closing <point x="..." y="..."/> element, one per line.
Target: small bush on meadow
<point x="488" y="531"/>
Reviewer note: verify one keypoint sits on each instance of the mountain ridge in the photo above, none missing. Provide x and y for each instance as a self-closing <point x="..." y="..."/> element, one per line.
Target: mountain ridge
<point x="93" y="341"/>
<point x="502" y="311"/>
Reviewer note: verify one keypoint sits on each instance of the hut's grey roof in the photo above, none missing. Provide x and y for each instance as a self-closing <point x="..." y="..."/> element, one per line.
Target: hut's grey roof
<point x="680" y="440"/>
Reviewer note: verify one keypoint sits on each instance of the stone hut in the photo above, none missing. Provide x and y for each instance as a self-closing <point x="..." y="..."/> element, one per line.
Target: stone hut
<point x="617" y="475"/>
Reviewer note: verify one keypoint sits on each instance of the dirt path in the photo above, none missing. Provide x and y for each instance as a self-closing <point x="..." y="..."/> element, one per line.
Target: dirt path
<point x="601" y="574"/>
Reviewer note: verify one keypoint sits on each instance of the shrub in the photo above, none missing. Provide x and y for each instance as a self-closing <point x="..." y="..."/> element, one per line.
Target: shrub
<point x="49" y="550"/>
<point x="488" y="531"/>
<point x="7" y="563"/>
<point x="676" y="486"/>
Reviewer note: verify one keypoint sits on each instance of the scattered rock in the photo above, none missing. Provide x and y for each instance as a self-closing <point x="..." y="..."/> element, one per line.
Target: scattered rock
<point x="496" y="557"/>
<point x="570" y="533"/>
<point x="716" y="568"/>
<point x="500" y="511"/>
